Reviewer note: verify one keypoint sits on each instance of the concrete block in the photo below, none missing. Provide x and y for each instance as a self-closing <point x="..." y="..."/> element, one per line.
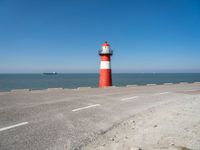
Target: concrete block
<point x="183" y="83"/>
<point x="133" y="85"/>
<point x="168" y="83"/>
<point x="197" y="82"/>
<point x="54" y="89"/>
<point x="68" y="89"/>
<point x="83" y="88"/>
<point x="20" y="90"/>
<point x="38" y="91"/>
<point x="4" y="93"/>
<point x="110" y="87"/>
<point x="151" y="84"/>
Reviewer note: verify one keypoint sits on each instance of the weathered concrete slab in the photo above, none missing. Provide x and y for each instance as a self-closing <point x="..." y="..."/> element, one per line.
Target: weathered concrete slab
<point x="54" y="89"/>
<point x="110" y="87"/>
<point x="20" y="90"/>
<point x="83" y="88"/>
<point x="151" y="84"/>
<point x="183" y="83"/>
<point x="68" y="89"/>
<point x="38" y="91"/>
<point x="131" y="85"/>
<point x="4" y="93"/>
<point x="167" y="83"/>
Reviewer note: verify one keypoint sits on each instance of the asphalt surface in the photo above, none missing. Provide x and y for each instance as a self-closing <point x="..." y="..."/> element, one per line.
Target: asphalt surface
<point x="71" y="118"/>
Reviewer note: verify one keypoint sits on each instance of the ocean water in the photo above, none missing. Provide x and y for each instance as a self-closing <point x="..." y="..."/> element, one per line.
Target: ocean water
<point x="40" y="81"/>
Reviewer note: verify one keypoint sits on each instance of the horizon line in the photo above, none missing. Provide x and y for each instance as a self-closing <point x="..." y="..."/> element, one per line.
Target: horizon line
<point x="98" y="72"/>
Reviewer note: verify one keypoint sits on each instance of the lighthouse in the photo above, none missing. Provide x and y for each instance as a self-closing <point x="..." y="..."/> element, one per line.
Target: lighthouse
<point x="105" y="78"/>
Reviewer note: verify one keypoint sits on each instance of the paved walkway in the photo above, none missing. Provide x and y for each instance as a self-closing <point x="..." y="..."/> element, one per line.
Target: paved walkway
<point x="69" y="119"/>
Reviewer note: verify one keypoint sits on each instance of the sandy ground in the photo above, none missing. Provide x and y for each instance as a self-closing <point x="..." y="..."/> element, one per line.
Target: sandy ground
<point x="173" y="126"/>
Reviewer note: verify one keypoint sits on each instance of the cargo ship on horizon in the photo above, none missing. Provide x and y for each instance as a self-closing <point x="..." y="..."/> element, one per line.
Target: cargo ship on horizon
<point x="50" y="73"/>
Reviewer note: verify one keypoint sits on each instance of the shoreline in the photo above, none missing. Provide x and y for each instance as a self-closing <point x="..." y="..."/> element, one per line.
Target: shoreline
<point x="88" y="87"/>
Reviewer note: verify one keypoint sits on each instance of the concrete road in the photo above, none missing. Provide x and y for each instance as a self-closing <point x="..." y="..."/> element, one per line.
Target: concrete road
<point x="70" y="118"/>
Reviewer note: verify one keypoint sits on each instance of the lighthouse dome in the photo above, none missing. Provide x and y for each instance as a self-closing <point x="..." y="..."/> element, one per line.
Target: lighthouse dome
<point x="106" y="44"/>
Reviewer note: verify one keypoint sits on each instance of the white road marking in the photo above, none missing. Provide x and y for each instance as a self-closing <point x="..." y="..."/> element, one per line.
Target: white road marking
<point x="161" y="93"/>
<point x="77" y="109"/>
<point x="128" y="98"/>
<point x="13" y="126"/>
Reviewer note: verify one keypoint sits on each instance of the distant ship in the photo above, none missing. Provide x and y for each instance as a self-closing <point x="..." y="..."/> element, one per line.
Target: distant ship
<point x="50" y="73"/>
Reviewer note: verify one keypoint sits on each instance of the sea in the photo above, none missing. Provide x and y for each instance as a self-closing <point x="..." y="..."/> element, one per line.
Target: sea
<point x="9" y="82"/>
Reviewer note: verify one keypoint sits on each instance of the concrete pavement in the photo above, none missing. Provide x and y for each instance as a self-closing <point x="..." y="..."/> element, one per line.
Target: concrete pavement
<point x="71" y="118"/>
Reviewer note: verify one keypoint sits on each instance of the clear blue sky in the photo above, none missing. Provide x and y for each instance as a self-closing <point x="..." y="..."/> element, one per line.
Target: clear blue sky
<point x="65" y="35"/>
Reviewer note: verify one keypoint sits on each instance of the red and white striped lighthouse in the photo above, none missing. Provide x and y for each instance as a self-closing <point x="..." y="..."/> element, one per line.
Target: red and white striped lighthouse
<point x="105" y="78"/>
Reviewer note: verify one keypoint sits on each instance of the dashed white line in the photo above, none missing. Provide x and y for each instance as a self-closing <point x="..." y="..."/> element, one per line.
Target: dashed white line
<point x="13" y="126"/>
<point x="161" y="93"/>
<point x="128" y="98"/>
<point x="77" y="109"/>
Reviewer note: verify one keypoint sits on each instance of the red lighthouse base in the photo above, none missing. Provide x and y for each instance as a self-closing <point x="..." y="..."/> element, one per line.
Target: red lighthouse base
<point x="105" y="78"/>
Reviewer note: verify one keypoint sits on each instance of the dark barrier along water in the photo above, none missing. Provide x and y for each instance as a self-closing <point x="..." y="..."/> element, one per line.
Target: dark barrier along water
<point x="40" y="81"/>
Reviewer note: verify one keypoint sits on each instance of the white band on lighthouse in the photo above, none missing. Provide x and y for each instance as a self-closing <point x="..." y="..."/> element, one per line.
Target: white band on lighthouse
<point x="105" y="65"/>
